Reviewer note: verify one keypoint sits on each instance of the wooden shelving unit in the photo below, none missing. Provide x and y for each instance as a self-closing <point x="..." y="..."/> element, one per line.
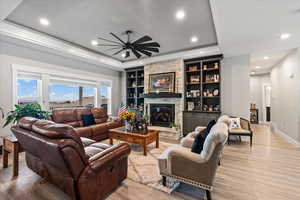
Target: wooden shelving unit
<point x="135" y="88"/>
<point x="202" y="88"/>
<point x="202" y="91"/>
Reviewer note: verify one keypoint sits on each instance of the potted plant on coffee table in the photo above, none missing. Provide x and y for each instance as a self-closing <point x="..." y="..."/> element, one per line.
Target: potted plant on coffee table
<point x="128" y="117"/>
<point x="30" y="110"/>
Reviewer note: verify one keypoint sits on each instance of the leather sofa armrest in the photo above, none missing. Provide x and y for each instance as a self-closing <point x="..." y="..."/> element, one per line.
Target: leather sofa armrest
<point x="100" y="160"/>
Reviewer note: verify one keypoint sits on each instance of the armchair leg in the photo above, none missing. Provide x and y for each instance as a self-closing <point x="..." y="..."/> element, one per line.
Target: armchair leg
<point x="250" y="141"/>
<point x="208" y="196"/>
<point x="164" y="180"/>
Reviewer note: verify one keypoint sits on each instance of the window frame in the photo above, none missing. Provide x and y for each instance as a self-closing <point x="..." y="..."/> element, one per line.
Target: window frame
<point x="48" y="74"/>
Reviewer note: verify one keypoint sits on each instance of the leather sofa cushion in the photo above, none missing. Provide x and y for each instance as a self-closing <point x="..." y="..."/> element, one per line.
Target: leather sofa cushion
<point x="95" y="148"/>
<point x="86" y="141"/>
<point x="27" y="122"/>
<point x="80" y="112"/>
<point x="73" y="124"/>
<point x="55" y="131"/>
<point x="84" y="131"/>
<point x="99" y="113"/>
<point x="101" y="120"/>
<point x="111" y="125"/>
<point x="64" y="115"/>
<point x="98" y="129"/>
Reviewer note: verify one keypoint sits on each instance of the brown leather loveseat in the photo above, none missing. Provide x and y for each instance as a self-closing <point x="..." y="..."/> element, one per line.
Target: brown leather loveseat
<point x="81" y="167"/>
<point x="72" y="116"/>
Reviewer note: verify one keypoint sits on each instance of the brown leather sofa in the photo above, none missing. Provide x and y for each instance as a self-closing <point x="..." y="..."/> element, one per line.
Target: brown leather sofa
<point x="72" y="117"/>
<point x="81" y="167"/>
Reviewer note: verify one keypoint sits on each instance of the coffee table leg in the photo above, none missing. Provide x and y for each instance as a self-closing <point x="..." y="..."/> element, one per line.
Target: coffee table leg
<point x="145" y="150"/>
<point x="16" y="160"/>
<point x="5" y="158"/>
<point x="111" y="141"/>
<point x="157" y="142"/>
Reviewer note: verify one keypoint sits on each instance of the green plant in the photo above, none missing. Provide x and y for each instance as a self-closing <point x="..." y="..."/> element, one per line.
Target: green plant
<point x="29" y="110"/>
<point x="173" y="124"/>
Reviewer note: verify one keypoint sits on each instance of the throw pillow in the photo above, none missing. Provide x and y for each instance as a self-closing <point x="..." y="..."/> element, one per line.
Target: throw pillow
<point x="88" y="120"/>
<point x="199" y="141"/>
<point x="210" y="125"/>
<point x="234" y="123"/>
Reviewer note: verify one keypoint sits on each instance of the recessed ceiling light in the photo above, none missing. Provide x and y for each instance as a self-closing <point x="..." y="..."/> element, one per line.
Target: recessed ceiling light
<point x="44" y="21"/>
<point x="180" y="14"/>
<point x="94" y="42"/>
<point x="194" y="39"/>
<point x="201" y="52"/>
<point x="285" y="36"/>
<point x="257" y="67"/>
<point x="252" y="73"/>
<point x="266" y="57"/>
<point x="123" y="55"/>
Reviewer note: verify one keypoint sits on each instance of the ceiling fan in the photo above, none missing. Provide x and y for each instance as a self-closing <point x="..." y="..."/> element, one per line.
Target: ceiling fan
<point x="138" y="47"/>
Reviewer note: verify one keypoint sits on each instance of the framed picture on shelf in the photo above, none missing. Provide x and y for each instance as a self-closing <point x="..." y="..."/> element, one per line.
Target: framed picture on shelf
<point x="163" y="82"/>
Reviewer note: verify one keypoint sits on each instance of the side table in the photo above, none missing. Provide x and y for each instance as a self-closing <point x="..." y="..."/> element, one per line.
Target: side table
<point x="11" y="145"/>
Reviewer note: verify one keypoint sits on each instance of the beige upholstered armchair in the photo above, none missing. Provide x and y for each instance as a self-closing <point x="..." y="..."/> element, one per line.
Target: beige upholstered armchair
<point x="178" y="162"/>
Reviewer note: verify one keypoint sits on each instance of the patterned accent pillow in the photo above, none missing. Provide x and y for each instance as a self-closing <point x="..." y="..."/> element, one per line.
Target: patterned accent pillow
<point x="234" y="123"/>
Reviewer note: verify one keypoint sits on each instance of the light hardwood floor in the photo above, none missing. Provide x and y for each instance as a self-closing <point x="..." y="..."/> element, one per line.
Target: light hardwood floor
<point x="270" y="170"/>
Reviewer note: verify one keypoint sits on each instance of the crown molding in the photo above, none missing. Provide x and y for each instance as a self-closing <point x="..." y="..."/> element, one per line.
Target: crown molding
<point x="70" y="50"/>
<point x="40" y="39"/>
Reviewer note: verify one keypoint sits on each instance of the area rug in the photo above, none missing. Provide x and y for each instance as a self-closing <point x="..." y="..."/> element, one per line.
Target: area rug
<point x="144" y="169"/>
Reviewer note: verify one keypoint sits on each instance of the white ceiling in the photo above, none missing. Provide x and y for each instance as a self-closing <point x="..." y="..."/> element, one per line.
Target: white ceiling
<point x="80" y="21"/>
<point x="248" y="26"/>
<point x="265" y="65"/>
<point x="242" y="27"/>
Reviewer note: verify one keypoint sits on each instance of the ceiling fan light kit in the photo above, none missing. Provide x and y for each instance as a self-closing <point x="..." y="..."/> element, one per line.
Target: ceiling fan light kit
<point x="144" y="45"/>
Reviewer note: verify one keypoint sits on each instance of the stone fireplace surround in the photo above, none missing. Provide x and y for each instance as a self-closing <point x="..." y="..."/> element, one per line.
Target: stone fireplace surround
<point x="177" y="100"/>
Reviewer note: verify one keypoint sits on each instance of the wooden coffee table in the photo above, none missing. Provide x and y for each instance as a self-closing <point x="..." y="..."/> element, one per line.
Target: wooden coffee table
<point x="142" y="139"/>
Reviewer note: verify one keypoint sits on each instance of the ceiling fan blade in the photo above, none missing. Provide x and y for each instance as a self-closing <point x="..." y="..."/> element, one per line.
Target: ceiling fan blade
<point x="156" y="50"/>
<point x="118" y="52"/>
<point x="137" y="54"/>
<point x="118" y="38"/>
<point x="127" y="54"/>
<point x="113" y="48"/>
<point x="147" y="53"/>
<point x="109" y="45"/>
<point x="100" y="38"/>
<point x="146" y="38"/>
<point x="149" y="44"/>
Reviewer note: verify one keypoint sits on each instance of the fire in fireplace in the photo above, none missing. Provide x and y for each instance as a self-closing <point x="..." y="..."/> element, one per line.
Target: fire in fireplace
<point x="162" y="114"/>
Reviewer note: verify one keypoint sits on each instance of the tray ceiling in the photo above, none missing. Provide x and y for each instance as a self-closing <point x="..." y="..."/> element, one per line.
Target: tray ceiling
<point x="79" y="22"/>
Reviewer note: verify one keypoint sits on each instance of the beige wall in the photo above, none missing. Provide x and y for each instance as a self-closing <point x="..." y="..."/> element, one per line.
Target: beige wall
<point x="235" y="86"/>
<point x="285" y="101"/>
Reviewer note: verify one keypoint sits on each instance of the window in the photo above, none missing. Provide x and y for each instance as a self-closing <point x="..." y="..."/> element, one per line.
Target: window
<point x="105" y="93"/>
<point x="28" y="91"/>
<point x="68" y="95"/>
<point x="56" y="89"/>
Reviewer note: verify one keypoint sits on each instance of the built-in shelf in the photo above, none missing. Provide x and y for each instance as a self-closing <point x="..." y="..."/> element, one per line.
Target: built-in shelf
<point x="135" y="88"/>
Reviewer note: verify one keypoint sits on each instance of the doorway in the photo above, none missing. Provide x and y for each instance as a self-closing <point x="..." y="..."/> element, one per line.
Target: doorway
<point x="267" y="90"/>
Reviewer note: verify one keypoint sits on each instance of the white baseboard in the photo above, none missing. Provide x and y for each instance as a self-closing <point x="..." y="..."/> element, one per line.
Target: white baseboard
<point x="283" y="135"/>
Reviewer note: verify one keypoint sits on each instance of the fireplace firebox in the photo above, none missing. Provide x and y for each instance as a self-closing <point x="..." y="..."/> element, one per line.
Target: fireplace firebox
<point x="162" y="114"/>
